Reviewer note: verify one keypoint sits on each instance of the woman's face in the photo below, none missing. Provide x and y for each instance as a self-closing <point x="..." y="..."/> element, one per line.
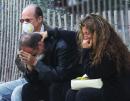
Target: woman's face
<point x="87" y="38"/>
<point x="86" y="34"/>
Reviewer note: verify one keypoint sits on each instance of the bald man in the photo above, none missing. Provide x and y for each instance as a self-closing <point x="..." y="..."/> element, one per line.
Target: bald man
<point x="32" y="15"/>
<point x="32" y="21"/>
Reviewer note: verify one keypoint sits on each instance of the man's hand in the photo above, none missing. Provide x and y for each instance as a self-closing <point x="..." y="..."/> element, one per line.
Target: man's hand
<point x="44" y="35"/>
<point x="87" y="43"/>
<point x="28" y="59"/>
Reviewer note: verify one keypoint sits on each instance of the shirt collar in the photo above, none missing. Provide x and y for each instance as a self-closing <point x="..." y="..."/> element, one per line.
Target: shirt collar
<point x="39" y="57"/>
<point x="42" y="28"/>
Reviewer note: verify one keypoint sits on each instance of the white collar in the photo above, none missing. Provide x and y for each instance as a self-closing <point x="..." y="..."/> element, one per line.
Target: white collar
<point x="39" y="57"/>
<point x="42" y="28"/>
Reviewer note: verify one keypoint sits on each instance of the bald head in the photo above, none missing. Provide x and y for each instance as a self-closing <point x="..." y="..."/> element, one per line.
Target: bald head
<point x="33" y="9"/>
<point x="29" y="10"/>
<point x="33" y="14"/>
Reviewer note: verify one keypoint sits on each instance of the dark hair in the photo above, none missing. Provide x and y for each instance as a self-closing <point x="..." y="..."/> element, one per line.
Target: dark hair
<point x="106" y="41"/>
<point x="30" y="39"/>
<point x="38" y="11"/>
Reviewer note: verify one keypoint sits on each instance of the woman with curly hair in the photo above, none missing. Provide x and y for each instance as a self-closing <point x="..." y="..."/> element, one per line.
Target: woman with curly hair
<point x="105" y="56"/>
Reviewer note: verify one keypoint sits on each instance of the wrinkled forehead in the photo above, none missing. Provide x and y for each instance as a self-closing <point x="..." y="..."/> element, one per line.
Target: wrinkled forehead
<point x="28" y="12"/>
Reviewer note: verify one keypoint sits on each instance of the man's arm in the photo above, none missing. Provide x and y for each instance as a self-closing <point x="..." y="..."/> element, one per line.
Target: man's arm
<point x="68" y="36"/>
<point x="66" y="69"/>
<point x="67" y="66"/>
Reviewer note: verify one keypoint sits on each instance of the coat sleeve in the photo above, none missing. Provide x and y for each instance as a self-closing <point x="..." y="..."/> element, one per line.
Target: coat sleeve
<point x="67" y="66"/>
<point x="66" y="69"/>
<point x="69" y="36"/>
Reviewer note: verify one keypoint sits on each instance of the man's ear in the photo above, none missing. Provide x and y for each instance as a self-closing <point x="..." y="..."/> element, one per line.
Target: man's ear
<point x="40" y="19"/>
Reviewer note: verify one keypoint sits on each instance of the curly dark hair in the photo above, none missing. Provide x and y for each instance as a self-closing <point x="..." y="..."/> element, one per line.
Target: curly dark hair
<point x="107" y="42"/>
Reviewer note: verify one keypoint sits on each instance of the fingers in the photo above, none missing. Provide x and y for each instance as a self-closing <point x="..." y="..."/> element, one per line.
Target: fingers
<point x="26" y="57"/>
<point x="23" y="53"/>
<point x="44" y="35"/>
<point x="87" y="43"/>
<point x="90" y="43"/>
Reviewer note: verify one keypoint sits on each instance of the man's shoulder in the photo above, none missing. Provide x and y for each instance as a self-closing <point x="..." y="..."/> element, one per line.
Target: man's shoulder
<point x="60" y="35"/>
<point x="46" y="26"/>
<point x="70" y="37"/>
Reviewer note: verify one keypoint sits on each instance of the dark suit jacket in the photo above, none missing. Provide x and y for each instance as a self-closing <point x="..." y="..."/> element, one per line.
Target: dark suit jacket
<point x="61" y="61"/>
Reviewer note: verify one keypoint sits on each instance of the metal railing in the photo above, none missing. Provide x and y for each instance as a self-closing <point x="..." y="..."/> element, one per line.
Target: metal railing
<point x="10" y="27"/>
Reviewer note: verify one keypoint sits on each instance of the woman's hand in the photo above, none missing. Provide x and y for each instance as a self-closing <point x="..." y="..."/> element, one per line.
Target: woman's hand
<point x="87" y="43"/>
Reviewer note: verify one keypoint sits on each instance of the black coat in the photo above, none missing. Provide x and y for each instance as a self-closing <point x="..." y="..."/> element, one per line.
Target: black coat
<point x="61" y="61"/>
<point x="116" y="87"/>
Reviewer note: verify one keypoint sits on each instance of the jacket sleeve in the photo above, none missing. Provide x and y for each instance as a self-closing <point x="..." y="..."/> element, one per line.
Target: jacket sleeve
<point x="20" y="64"/>
<point x="67" y="66"/>
<point x="69" y="36"/>
<point x="102" y="70"/>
